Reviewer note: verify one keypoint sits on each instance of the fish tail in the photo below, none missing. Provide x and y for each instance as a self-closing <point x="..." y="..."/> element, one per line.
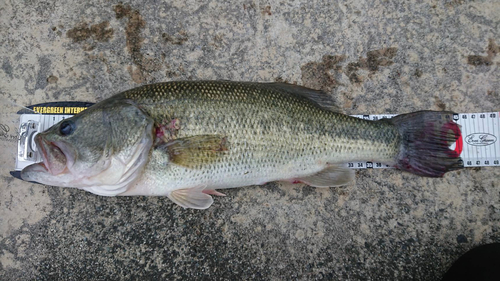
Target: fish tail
<point x="426" y="137"/>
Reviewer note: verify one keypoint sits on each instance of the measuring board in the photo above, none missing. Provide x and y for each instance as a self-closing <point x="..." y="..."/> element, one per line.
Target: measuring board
<point x="479" y="144"/>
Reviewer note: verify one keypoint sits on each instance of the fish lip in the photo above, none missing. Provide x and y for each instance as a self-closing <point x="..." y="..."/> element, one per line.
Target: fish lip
<point x="43" y="153"/>
<point x="43" y="144"/>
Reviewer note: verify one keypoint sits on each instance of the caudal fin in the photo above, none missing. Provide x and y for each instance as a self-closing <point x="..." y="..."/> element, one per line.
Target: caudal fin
<point x="426" y="139"/>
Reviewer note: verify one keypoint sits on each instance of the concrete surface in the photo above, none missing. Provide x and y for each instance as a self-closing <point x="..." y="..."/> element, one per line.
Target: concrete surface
<point x="372" y="56"/>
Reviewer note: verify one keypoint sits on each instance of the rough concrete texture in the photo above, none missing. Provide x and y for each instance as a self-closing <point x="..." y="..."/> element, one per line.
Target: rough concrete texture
<point x="371" y="56"/>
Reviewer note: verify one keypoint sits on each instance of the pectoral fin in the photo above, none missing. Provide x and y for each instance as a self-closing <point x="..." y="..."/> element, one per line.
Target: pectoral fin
<point x="195" y="151"/>
<point x="333" y="175"/>
<point x="194" y="198"/>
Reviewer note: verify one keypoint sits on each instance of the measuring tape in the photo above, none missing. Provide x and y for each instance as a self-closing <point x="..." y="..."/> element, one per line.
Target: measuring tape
<point x="479" y="144"/>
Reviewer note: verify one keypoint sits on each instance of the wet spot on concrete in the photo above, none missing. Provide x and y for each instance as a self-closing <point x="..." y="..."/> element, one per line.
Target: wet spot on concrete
<point x="175" y="73"/>
<point x="493" y="96"/>
<point x="218" y="41"/>
<point x="322" y="75"/>
<point x="171" y="74"/>
<point x="99" y="32"/>
<point x="52" y="79"/>
<point x="492" y="51"/>
<point x="478" y="60"/>
<point x="266" y="10"/>
<point x="140" y="73"/>
<point x="122" y="11"/>
<point x="281" y="80"/>
<point x="133" y="30"/>
<point x="439" y="103"/>
<point x="7" y="68"/>
<point x="461" y="239"/>
<point x="454" y="3"/>
<point x="418" y="73"/>
<point x="374" y="59"/>
<point x="45" y="66"/>
<point x="175" y="40"/>
<point x="250" y="6"/>
<point x="68" y="92"/>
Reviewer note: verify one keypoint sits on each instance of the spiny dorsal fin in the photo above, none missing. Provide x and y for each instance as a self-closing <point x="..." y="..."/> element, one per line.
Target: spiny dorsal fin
<point x="195" y="151"/>
<point x="320" y="98"/>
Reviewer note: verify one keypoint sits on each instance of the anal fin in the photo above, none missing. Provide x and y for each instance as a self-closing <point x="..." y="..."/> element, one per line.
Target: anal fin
<point x="213" y="192"/>
<point x="333" y="175"/>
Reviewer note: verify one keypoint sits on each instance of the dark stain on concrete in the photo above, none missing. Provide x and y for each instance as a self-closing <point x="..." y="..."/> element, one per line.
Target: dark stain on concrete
<point x="143" y="65"/>
<point x="249" y="6"/>
<point x="439" y="103"/>
<point x="266" y="10"/>
<point x="454" y="3"/>
<point x="133" y="30"/>
<point x="492" y="51"/>
<point x="493" y="96"/>
<point x="7" y="68"/>
<point x="281" y="80"/>
<point x="374" y="59"/>
<point x="322" y="75"/>
<point x="68" y="92"/>
<point x="478" y="60"/>
<point x="177" y="40"/>
<point x="462" y="239"/>
<point x="52" y="79"/>
<point x="122" y="11"/>
<point x="99" y="32"/>
<point x="218" y="41"/>
<point x="172" y="73"/>
<point x="8" y="179"/>
<point x="418" y="73"/>
<point x="41" y="79"/>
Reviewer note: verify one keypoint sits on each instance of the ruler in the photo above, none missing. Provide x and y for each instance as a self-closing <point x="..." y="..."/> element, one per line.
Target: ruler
<point x="480" y="142"/>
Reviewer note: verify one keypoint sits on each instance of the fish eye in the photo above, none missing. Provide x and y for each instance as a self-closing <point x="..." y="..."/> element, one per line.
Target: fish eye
<point x="66" y="128"/>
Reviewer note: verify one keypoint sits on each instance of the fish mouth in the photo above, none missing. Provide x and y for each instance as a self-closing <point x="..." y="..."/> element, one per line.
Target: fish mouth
<point x="54" y="159"/>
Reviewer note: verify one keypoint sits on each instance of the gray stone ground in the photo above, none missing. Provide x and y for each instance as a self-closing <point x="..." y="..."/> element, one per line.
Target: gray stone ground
<point x="372" y="56"/>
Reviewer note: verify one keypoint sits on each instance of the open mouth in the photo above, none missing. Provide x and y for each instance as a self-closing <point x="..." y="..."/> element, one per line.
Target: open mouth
<point x="54" y="159"/>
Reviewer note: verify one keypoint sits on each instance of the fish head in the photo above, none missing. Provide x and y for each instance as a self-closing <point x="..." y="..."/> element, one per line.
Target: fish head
<point x="102" y="149"/>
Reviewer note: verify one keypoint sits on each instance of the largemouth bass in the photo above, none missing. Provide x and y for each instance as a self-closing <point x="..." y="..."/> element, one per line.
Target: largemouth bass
<point x="187" y="139"/>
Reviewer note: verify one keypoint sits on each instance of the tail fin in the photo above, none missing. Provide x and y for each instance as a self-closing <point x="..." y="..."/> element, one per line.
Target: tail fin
<point x="426" y="138"/>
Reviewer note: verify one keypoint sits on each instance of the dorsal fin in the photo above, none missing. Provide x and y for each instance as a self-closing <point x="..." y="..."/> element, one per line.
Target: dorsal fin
<point x="320" y="98"/>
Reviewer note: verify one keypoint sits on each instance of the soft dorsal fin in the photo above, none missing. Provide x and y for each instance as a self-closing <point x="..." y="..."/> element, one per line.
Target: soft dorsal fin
<point x="333" y="175"/>
<point x="195" y="151"/>
<point x="320" y="98"/>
